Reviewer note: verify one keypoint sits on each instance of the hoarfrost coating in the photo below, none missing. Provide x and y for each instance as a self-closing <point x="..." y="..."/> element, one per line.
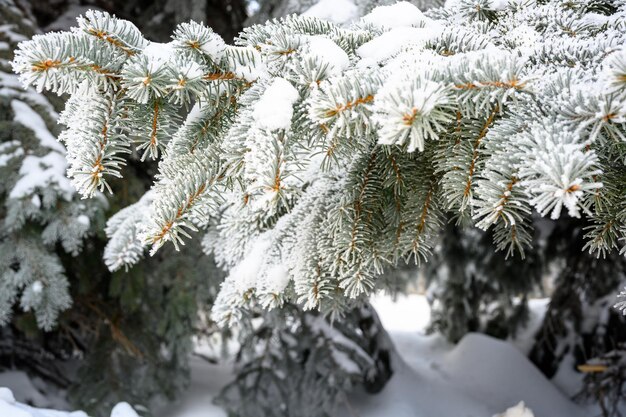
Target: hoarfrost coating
<point x="350" y="133"/>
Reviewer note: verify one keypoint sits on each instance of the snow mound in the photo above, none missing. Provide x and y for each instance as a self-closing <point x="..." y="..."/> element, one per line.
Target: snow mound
<point x="18" y="387"/>
<point x="6" y="395"/>
<point x="10" y="408"/>
<point x="500" y="374"/>
<point x="479" y="377"/>
<point x="520" y="410"/>
<point x="125" y="410"/>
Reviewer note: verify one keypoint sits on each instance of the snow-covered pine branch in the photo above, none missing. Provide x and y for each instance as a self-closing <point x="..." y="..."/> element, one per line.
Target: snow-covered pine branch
<point x="335" y="151"/>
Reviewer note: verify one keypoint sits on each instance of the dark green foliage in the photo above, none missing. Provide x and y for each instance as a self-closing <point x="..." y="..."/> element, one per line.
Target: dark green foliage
<point x="140" y="349"/>
<point x="127" y="335"/>
<point x="604" y="385"/>
<point x="473" y="288"/>
<point x="297" y="364"/>
<point x="579" y="321"/>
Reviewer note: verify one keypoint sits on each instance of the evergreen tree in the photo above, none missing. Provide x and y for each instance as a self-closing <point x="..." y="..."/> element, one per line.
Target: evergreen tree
<point x="42" y="217"/>
<point x="103" y="336"/>
<point x="316" y="156"/>
<point x="313" y="129"/>
<point x="297" y="364"/>
<point x="475" y="289"/>
<point x="580" y="328"/>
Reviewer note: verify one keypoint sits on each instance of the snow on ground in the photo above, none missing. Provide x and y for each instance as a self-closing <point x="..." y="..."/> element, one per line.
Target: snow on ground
<point x="206" y="382"/>
<point x="22" y="385"/>
<point x="32" y="391"/>
<point x="519" y="410"/>
<point x="498" y="375"/>
<point x="403" y="313"/>
<point x="479" y="377"/>
<point x="123" y="410"/>
<point x="9" y="407"/>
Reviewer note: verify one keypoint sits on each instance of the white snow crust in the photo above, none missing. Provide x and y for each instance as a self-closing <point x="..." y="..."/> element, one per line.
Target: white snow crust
<point x="275" y="108"/>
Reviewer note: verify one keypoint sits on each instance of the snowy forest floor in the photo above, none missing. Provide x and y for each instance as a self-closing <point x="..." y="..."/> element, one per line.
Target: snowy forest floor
<point x="479" y="377"/>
